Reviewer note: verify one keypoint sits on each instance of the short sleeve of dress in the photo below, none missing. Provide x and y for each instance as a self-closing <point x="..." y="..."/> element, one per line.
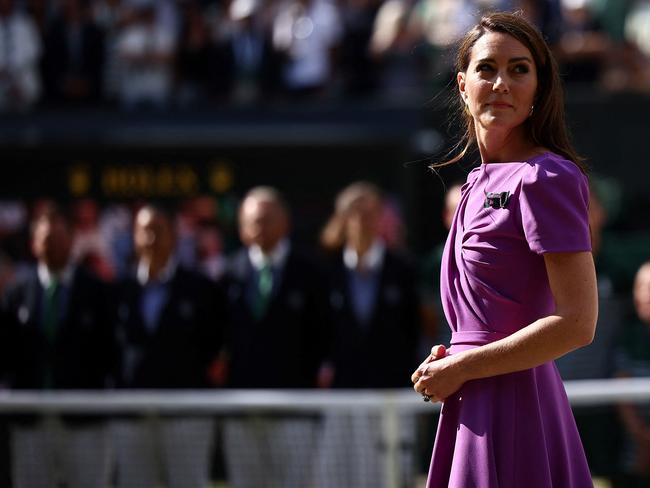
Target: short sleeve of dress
<point x="554" y="205"/>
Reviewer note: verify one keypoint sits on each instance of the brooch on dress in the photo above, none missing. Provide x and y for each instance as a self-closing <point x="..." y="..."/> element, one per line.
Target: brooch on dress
<point x="496" y="199"/>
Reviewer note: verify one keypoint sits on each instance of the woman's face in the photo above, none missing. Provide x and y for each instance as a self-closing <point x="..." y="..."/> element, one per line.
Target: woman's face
<point x="500" y="83"/>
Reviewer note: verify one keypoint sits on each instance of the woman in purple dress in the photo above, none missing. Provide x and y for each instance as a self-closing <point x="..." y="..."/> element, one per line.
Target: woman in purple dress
<point x="518" y="282"/>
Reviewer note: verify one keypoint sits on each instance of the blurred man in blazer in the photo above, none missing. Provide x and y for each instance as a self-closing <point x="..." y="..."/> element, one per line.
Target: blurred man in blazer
<point x="170" y="324"/>
<point x="374" y="311"/>
<point x="57" y="335"/>
<point x="276" y="339"/>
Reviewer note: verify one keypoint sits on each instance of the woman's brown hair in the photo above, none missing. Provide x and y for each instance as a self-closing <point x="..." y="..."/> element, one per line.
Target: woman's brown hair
<point x="547" y="125"/>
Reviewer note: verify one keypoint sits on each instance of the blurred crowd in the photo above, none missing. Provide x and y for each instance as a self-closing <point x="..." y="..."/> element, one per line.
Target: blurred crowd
<point x="159" y="54"/>
<point x="144" y="296"/>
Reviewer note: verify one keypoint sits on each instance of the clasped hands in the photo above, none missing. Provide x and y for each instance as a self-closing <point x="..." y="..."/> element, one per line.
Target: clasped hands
<point x="437" y="377"/>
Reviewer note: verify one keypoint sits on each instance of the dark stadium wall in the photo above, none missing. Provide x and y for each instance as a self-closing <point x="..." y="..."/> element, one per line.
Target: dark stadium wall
<point x="308" y="155"/>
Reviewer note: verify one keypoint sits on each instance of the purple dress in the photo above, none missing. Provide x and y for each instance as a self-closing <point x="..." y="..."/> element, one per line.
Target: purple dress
<point x="513" y="430"/>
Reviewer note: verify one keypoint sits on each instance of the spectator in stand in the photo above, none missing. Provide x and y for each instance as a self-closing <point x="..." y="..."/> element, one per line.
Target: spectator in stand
<point x="40" y="11"/>
<point x="247" y="67"/>
<point x="20" y="52"/>
<point x="146" y="46"/>
<point x="546" y="15"/>
<point x="195" y="55"/>
<point x="358" y="68"/>
<point x="108" y="15"/>
<point x="276" y="296"/>
<point x="374" y="312"/>
<point x="438" y="24"/>
<point x="308" y="33"/>
<point x="627" y="23"/>
<point x="74" y="56"/>
<point x="634" y="361"/>
<point x="394" y="48"/>
<point x="170" y="326"/>
<point x="57" y="336"/>
<point x="583" y="47"/>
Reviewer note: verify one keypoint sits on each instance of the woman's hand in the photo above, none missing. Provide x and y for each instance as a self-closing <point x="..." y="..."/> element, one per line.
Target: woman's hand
<point x="440" y="379"/>
<point x="437" y="352"/>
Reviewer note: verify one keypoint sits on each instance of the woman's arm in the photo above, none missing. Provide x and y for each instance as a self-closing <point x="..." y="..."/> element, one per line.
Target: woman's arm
<point x="572" y="279"/>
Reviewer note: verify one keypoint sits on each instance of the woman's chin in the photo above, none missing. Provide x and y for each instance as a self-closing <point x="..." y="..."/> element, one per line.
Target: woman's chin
<point x="499" y="121"/>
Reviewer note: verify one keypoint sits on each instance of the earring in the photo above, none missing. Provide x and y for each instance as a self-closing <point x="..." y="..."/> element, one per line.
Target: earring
<point x="532" y="107"/>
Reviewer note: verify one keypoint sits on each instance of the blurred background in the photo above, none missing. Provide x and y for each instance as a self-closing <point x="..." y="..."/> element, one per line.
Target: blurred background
<point x="109" y="105"/>
<point x="114" y="101"/>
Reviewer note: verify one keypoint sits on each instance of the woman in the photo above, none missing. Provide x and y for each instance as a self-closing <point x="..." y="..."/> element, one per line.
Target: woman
<point x="518" y="282"/>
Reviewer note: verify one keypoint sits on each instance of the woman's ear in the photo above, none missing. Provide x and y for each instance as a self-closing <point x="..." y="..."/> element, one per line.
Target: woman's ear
<point x="460" y="79"/>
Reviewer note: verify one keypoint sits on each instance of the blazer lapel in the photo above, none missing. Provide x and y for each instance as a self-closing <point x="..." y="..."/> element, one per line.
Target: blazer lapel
<point x="33" y="300"/>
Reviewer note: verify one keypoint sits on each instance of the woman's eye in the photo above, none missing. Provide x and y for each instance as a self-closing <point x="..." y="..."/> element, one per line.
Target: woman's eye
<point x="483" y="67"/>
<point x="521" y="68"/>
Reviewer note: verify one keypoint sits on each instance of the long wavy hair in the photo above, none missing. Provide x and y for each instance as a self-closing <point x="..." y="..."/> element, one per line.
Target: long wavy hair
<point x="546" y="126"/>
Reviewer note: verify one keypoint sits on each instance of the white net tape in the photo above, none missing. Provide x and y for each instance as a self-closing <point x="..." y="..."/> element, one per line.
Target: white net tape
<point x="580" y="393"/>
<point x="322" y="428"/>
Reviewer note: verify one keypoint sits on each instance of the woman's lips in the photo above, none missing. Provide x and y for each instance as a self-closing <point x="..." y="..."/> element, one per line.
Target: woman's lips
<point x="500" y="105"/>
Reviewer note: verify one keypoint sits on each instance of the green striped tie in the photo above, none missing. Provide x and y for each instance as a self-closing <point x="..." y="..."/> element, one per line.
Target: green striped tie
<point x="51" y="311"/>
<point x="264" y="289"/>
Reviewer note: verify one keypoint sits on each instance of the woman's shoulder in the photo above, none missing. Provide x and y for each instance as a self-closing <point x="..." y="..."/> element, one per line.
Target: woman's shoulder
<point x="472" y="176"/>
<point x="554" y="205"/>
<point x="550" y="168"/>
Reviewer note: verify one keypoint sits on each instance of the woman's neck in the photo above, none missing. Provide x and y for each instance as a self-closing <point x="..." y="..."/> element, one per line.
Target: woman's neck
<point x="500" y="146"/>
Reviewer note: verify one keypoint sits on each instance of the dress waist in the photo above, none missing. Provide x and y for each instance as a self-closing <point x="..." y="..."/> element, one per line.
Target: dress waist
<point x="469" y="339"/>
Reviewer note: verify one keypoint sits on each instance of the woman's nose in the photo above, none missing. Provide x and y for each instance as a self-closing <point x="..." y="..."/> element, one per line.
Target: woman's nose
<point x="500" y="84"/>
